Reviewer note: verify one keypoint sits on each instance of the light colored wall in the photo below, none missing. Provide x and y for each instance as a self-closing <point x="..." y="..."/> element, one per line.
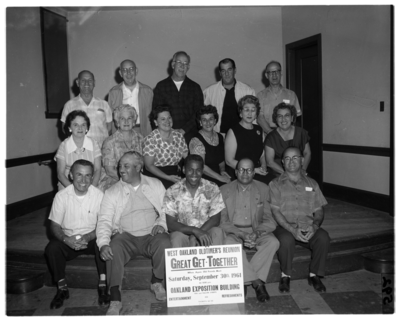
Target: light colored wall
<point x="355" y="78"/>
<point x="99" y="41"/>
<point x="360" y="176"/>
<point x="28" y="131"/>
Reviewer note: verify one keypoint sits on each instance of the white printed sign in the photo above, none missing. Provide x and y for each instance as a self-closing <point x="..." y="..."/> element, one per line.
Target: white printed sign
<point x="204" y="276"/>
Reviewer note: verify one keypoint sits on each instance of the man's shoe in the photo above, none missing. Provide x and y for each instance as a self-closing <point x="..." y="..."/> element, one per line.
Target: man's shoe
<point x="114" y="308"/>
<point x="104" y="298"/>
<point x="284" y="284"/>
<point x="261" y="293"/>
<point x="315" y="281"/>
<point x="58" y="300"/>
<point x="159" y="290"/>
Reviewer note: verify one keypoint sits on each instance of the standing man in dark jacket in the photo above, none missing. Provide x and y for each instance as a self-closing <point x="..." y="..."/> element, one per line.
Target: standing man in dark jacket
<point x="181" y="93"/>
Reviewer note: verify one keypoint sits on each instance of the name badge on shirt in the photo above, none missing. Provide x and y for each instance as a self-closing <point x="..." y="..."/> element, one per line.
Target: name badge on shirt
<point x="286" y="101"/>
<point x="309" y="189"/>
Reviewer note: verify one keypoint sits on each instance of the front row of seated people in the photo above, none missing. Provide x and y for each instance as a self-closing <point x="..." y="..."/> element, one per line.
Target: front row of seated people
<point x="135" y="215"/>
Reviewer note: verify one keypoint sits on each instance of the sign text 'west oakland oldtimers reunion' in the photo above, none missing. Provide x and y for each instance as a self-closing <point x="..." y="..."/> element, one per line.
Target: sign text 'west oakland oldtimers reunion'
<point x="204" y="276"/>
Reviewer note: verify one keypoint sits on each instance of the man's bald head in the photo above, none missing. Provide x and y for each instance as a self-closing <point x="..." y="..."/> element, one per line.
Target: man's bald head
<point x="295" y="150"/>
<point x="127" y="63"/>
<point x="245" y="162"/>
<point x="84" y="72"/>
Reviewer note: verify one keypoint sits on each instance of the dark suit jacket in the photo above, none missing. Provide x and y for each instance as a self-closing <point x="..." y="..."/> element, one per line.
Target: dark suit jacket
<point x="261" y="217"/>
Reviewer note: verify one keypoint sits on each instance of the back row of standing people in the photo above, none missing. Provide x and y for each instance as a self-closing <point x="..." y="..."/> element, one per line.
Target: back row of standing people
<point x="183" y="95"/>
<point x="185" y="98"/>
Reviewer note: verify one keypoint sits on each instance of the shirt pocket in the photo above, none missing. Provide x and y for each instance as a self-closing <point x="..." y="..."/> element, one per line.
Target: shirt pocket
<point x="101" y="115"/>
<point x="308" y="199"/>
<point x="260" y="211"/>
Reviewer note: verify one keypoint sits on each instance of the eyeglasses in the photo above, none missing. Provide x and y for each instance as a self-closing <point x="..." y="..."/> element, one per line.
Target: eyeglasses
<point x="247" y="170"/>
<point x="183" y="64"/>
<point x="226" y="71"/>
<point x="280" y="117"/>
<point x="275" y="72"/>
<point x="128" y="70"/>
<point x="295" y="158"/>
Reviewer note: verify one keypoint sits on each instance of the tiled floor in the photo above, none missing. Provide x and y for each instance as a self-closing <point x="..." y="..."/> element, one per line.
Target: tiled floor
<point x="358" y="292"/>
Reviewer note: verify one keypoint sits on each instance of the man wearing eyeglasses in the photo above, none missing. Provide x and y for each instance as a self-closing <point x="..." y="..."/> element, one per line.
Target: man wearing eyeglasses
<point x="182" y="94"/>
<point x="247" y="219"/>
<point x="134" y="93"/>
<point x="273" y="95"/>
<point x="297" y="206"/>
<point x="225" y="94"/>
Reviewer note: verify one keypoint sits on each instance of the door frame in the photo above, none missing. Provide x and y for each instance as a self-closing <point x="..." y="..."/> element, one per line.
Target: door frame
<point x="290" y="50"/>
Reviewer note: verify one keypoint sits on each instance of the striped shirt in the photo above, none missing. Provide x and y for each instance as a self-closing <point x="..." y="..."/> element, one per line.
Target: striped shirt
<point x="74" y="215"/>
<point x="296" y="202"/>
<point x="99" y="113"/>
<point x="269" y="100"/>
<point x="69" y="152"/>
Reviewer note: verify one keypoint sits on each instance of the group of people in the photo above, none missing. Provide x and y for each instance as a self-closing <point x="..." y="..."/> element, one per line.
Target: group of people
<point x="178" y="167"/>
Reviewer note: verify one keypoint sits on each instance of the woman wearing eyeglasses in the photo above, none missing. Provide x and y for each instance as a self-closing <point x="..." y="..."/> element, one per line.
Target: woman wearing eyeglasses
<point x="286" y="134"/>
<point x="245" y="140"/>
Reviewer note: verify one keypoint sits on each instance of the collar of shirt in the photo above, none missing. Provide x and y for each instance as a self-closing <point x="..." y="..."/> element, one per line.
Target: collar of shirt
<point x="71" y="191"/>
<point x="128" y="91"/>
<point x="81" y="100"/>
<point x="127" y="185"/>
<point x="269" y="88"/>
<point x="223" y="87"/>
<point x="241" y="188"/>
<point x="183" y="187"/>
<point x="71" y="146"/>
<point x="284" y="178"/>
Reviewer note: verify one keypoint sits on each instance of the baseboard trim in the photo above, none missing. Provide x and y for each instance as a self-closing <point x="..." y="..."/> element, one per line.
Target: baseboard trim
<point x="355" y="149"/>
<point x="359" y="197"/>
<point x="26" y="206"/>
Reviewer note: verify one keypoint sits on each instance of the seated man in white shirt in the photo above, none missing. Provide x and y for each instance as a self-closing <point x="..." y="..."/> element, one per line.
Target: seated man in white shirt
<point x="73" y="219"/>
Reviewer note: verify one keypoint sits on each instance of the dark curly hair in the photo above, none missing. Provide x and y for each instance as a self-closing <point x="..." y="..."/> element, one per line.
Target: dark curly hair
<point x="249" y="99"/>
<point x="281" y="106"/>
<point x="157" y="110"/>
<point x="209" y="109"/>
<point x="72" y="115"/>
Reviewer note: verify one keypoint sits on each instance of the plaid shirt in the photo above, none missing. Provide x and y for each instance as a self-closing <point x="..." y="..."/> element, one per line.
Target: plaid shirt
<point x="296" y="202"/>
<point x="184" y="103"/>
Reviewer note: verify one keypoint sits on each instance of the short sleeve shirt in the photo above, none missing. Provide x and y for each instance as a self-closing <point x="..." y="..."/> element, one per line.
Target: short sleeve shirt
<point x="114" y="147"/>
<point x="74" y="215"/>
<point x="99" y="113"/>
<point x="269" y="100"/>
<point x="296" y="202"/>
<point x="165" y="153"/>
<point x="69" y="152"/>
<point x="193" y="211"/>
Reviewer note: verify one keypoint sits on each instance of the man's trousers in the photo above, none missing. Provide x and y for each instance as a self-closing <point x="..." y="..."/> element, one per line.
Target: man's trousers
<point x="58" y="253"/>
<point x="318" y="244"/>
<point x="181" y="240"/>
<point x="258" y="267"/>
<point x="125" y="246"/>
